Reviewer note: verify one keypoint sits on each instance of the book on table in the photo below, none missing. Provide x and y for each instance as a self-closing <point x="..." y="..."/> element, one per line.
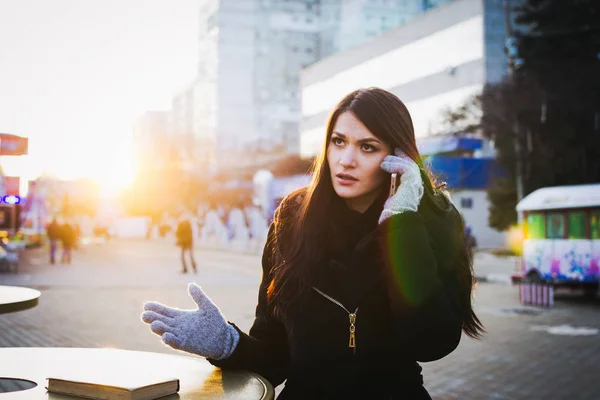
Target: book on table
<point x="124" y="387"/>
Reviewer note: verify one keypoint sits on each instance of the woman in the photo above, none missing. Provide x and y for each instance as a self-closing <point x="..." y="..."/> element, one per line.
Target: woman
<point x="357" y="287"/>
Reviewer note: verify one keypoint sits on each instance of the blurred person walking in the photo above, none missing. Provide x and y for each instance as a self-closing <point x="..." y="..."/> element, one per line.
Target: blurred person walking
<point x="185" y="240"/>
<point x="77" y="234"/>
<point x="68" y="238"/>
<point x="471" y="241"/>
<point x="53" y="231"/>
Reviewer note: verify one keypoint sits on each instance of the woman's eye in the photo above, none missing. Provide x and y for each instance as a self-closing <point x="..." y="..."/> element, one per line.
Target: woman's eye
<point x="337" y="141"/>
<point x="368" y="148"/>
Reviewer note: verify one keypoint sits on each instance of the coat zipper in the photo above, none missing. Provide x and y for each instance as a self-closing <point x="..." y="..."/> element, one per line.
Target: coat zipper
<point x="351" y="317"/>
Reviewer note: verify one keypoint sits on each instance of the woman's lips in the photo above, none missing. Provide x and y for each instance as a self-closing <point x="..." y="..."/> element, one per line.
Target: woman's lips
<point x="346" y="180"/>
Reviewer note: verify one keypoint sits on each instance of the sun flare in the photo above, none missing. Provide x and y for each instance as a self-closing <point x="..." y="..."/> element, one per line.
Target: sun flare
<point x="114" y="177"/>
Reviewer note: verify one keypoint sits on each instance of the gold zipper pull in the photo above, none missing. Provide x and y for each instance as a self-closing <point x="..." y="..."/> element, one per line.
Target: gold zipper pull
<point x="352" y="343"/>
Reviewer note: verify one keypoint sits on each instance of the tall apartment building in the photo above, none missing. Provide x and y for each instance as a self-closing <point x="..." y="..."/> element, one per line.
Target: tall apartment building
<point x="225" y="73"/>
<point x="251" y="53"/>
<point x="250" y="56"/>
<point x="180" y="121"/>
<point x="287" y="41"/>
<point x="194" y="143"/>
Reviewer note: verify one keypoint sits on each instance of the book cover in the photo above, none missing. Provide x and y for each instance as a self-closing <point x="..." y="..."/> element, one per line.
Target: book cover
<point x="123" y="387"/>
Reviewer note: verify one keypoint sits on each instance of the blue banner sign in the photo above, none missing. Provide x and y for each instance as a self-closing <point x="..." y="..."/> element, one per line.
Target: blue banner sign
<point x="11" y="199"/>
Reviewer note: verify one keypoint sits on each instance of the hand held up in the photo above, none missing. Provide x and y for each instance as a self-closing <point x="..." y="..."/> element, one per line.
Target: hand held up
<point x="203" y="331"/>
<point x="410" y="191"/>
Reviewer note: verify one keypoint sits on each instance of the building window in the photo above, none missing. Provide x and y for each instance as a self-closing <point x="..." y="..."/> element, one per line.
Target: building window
<point x="536" y="226"/>
<point x="595" y="224"/>
<point x="555" y="225"/>
<point x="466" y="202"/>
<point x="577" y="222"/>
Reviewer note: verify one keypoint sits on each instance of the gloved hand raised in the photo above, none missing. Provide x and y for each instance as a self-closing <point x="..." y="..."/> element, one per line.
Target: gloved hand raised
<point x="409" y="193"/>
<point x="203" y="331"/>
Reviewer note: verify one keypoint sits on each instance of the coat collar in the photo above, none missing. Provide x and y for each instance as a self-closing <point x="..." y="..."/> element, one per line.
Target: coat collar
<point x="348" y="274"/>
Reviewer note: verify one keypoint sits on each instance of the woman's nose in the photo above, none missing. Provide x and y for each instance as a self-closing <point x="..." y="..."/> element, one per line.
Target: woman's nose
<point x="348" y="159"/>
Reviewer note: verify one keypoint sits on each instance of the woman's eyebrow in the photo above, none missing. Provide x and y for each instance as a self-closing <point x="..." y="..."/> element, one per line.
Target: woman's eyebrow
<point x="366" y="140"/>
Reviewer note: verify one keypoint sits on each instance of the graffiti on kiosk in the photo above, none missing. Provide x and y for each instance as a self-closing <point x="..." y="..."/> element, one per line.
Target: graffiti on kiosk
<point x="563" y="259"/>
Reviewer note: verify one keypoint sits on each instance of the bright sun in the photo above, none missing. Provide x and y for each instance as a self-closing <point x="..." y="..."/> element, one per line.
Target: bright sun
<point x="111" y="170"/>
<point x="114" y="177"/>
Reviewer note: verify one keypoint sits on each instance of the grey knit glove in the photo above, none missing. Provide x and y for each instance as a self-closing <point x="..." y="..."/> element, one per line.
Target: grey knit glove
<point x="409" y="193"/>
<point x="203" y="331"/>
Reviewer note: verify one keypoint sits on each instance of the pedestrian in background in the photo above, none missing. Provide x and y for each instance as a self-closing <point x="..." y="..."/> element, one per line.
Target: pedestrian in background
<point x="471" y="241"/>
<point x="68" y="238"/>
<point x="358" y="285"/>
<point x="53" y="231"/>
<point x="185" y="239"/>
<point x="77" y="228"/>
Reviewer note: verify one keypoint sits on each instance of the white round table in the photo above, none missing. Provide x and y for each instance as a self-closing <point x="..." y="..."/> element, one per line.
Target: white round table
<point x="17" y="298"/>
<point x="197" y="377"/>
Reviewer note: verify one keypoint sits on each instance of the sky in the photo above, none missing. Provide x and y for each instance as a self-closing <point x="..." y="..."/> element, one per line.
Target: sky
<point x="75" y="75"/>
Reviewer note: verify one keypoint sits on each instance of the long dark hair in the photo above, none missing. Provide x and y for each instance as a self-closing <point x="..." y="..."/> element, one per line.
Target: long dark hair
<point x="303" y="237"/>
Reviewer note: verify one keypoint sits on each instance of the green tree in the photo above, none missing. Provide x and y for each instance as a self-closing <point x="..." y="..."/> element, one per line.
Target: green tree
<point x="560" y="48"/>
<point x="554" y="101"/>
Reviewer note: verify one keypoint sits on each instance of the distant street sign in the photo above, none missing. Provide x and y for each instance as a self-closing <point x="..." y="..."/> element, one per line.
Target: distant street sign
<point x="11" y="199"/>
<point x="13" y="145"/>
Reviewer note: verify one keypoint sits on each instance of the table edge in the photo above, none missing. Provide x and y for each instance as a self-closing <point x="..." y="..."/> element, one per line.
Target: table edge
<point x="19" y="306"/>
<point x="268" y="392"/>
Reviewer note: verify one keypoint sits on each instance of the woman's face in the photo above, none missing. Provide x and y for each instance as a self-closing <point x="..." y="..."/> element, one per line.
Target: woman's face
<point x="354" y="156"/>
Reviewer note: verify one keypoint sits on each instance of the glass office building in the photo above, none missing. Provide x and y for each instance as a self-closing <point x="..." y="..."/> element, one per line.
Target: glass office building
<point x="434" y="62"/>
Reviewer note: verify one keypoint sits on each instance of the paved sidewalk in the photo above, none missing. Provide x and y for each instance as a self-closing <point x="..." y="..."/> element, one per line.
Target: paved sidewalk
<point x="487" y="266"/>
<point x="491" y="268"/>
<point x="527" y="353"/>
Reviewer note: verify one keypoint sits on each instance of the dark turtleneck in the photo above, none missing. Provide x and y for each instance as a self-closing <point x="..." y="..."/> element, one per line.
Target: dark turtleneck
<point x="345" y="274"/>
<point x="351" y="225"/>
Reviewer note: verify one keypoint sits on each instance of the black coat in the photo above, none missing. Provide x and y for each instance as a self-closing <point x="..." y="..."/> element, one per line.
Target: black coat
<point x="184" y="234"/>
<point x="309" y="345"/>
